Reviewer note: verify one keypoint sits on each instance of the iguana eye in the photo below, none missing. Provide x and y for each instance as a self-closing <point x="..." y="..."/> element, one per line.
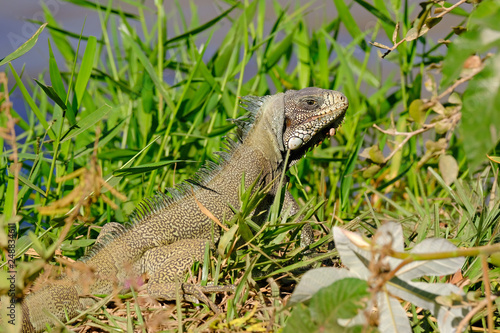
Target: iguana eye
<point x="310" y="102"/>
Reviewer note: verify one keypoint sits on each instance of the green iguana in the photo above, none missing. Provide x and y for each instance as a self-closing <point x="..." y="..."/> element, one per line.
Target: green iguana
<point x="168" y="234"/>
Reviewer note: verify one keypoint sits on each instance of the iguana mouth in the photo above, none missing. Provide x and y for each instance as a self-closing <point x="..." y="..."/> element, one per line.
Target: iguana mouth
<point x="319" y="136"/>
<point x="328" y="133"/>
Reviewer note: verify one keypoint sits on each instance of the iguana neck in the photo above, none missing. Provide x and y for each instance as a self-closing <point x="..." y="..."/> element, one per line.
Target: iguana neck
<point x="266" y="134"/>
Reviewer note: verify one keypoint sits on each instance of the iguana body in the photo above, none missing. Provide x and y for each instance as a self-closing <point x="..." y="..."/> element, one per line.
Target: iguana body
<point x="168" y="234"/>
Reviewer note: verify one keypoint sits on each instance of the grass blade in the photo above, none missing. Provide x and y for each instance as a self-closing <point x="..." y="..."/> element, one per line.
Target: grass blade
<point x="85" y="68"/>
<point x="25" y="47"/>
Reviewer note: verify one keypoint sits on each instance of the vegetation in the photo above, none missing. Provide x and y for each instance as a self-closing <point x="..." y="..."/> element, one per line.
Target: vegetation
<point x="138" y="109"/>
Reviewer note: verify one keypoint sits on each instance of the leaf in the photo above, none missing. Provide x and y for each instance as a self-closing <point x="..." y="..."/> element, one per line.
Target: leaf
<point x="349" y="22"/>
<point x="392" y="316"/>
<point x="417" y="112"/>
<point x="381" y="46"/>
<point x="73" y="245"/>
<point x="25" y="47"/>
<point x="480" y="125"/>
<point x="51" y="93"/>
<point x="59" y="36"/>
<point x="84" y="124"/>
<point x="226" y="238"/>
<point x="371" y="171"/>
<point x="377" y="13"/>
<point x="34" y="106"/>
<point x="495" y="159"/>
<point x="494" y="259"/>
<point x="202" y="27"/>
<point x="139" y="53"/>
<point x="483" y="34"/>
<point x="145" y="168"/>
<point x="354" y="258"/>
<point x="390" y="234"/>
<point x="414" y="33"/>
<point x="448" y="167"/>
<point x="280" y="50"/>
<point x="341" y="299"/>
<point x="315" y="279"/>
<point x="85" y="68"/>
<point x="432" y="21"/>
<point x="374" y="154"/>
<point x="426" y="295"/>
<point x="300" y="321"/>
<point x="32" y="186"/>
<point x="421" y="268"/>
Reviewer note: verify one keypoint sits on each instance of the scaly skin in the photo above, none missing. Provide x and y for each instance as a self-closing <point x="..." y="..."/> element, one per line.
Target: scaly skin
<point x="168" y="235"/>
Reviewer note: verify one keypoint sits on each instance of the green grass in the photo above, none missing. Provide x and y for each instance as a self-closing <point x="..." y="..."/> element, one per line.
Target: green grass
<point x="108" y="117"/>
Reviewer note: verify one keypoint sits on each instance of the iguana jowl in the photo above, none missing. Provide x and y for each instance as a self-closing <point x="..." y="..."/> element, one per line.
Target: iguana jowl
<point x="168" y="234"/>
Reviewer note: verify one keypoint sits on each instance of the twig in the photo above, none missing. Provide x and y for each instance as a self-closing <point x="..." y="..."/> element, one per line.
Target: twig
<point x="450" y="89"/>
<point x="449" y="9"/>
<point x="395" y="46"/>
<point x="472" y="313"/>
<point x="487" y="293"/>
<point x="408" y="136"/>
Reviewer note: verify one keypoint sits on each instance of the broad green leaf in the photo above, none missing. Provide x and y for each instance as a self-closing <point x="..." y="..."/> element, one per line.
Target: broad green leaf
<point x="85" y="69"/>
<point x="226" y="238"/>
<point x="480" y="126"/>
<point x="341" y="300"/>
<point x="482" y="35"/>
<point x="23" y="48"/>
<point x="300" y="321"/>
<point x="314" y="280"/>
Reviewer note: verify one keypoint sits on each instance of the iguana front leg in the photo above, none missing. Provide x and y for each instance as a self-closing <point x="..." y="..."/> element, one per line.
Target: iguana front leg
<point x="166" y="267"/>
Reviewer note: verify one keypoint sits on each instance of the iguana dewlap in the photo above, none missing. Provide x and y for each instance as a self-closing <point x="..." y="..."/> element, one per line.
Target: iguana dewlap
<point x="169" y="233"/>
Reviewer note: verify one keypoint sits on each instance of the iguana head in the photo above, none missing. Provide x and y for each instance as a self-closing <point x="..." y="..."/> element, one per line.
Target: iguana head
<point x="311" y="115"/>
